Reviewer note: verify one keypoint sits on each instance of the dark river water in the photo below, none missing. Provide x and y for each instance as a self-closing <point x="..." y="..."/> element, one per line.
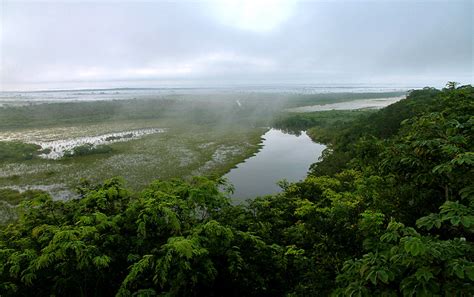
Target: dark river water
<point x="283" y="156"/>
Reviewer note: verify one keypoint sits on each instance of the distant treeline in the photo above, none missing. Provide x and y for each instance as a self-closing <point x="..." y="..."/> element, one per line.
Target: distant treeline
<point x="389" y="211"/>
<point x="317" y="120"/>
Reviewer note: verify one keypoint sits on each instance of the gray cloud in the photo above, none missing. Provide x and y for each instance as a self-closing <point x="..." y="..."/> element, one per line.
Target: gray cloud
<point x="106" y="43"/>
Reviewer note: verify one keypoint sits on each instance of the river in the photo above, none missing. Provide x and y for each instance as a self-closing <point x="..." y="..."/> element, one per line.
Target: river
<point x="283" y="156"/>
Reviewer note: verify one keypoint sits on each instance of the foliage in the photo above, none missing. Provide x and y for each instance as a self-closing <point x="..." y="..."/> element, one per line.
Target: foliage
<point x="415" y="263"/>
<point x="317" y="121"/>
<point x="163" y="241"/>
<point x="389" y="211"/>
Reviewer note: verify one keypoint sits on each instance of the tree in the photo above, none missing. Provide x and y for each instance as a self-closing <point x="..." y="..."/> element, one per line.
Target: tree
<point x="451" y="85"/>
<point x="424" y="262"/>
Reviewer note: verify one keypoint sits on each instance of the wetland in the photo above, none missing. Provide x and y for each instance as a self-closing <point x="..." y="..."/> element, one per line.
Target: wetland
<point x="54" y="141"/>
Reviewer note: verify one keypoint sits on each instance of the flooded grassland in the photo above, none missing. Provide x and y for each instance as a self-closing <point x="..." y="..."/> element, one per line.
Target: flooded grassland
<point x="53" y="145"/>
<point x="174" y="152"/>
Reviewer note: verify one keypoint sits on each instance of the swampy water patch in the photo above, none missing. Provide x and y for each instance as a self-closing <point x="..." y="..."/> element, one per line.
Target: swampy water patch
<point x="56" y="149"/>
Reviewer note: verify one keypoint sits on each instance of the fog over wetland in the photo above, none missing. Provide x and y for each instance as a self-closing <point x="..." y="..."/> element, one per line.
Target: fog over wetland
<point x="145" y="91"/>
<point x="145" y="134"/>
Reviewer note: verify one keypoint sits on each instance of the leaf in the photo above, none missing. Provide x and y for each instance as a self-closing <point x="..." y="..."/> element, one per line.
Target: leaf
<point x="28" y="278"/>
<point x="414" y="246"/>
<point x="424" y="274"/>
<point x="429" y="221"/>
<point x="101" y="261"/>
<point x="467" y="192"/>
<point x="455" y="220"/>
<point x="459" y="271"/>
<point x="467" y="221"/>
<point x="372" y="277"/>
<point x="383" y="276"/>
<point x="470" y="272"/>
<point x="389" y="237"/>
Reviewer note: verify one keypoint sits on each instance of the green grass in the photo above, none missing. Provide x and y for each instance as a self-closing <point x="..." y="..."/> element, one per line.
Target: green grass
<point x="17" y="151"/>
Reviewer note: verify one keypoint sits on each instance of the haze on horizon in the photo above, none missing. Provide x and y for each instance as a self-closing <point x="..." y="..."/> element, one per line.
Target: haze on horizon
<point x="102" y="44"/>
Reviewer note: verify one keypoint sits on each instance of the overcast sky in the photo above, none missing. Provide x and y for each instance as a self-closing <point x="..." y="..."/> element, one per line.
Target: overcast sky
<point x="82" y="44"/>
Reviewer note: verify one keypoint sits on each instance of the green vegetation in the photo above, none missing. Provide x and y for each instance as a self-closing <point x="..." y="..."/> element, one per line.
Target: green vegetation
<point x="183" y="152"/>
<point x="389" y="211"/>
<point x="17" y="151"/>
<point x="10" y="199"/>
<point x="88" y="149"/>
<point x="11" y="196"/>
<point x="255" y="108"/>
<point x="317" y="122"/>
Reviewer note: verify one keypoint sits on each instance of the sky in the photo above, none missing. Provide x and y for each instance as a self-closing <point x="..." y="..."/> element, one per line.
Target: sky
<point x="106" y="43"/>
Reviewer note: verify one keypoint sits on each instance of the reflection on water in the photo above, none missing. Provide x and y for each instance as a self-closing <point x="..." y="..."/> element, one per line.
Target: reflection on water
<point x="283" y="156"/>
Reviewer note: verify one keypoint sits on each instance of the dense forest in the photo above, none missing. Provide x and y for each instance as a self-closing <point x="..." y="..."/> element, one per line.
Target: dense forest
<point x="387" y="211"/>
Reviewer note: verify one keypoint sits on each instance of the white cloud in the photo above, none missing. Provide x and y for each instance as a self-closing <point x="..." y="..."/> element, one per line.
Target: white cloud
<point x="218" y="63"/>
<point x="259" y="16"/>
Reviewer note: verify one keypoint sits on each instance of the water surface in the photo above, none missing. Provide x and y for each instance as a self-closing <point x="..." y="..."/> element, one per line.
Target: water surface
<point x="373" y="103"/>
<point x="283" y="156"/>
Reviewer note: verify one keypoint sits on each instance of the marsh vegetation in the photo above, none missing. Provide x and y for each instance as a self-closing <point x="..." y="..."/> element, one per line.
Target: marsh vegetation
<point x="60" y="138"/>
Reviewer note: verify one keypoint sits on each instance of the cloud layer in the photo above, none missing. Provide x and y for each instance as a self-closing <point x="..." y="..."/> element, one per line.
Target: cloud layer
<point x="147" y="44"/>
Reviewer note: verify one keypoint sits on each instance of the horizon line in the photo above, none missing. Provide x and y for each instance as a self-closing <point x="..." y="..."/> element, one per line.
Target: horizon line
<point x="229" y="86"/>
